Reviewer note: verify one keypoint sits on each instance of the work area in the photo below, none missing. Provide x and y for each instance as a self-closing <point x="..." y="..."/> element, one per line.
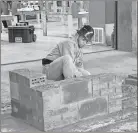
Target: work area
<point x="101" y="97"/>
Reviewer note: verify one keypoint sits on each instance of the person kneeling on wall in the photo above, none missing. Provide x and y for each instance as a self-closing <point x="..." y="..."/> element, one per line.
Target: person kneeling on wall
<point x="66" y="59"/>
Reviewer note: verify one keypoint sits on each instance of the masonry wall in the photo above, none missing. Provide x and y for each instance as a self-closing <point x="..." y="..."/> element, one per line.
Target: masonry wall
<point x="52" y="104"/>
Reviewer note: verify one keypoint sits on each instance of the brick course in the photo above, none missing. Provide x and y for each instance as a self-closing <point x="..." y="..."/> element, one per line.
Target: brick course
<point x="55" y="104"/>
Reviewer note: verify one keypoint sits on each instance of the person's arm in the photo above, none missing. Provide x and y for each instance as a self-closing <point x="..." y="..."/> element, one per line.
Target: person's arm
<point x="68" y="49"/>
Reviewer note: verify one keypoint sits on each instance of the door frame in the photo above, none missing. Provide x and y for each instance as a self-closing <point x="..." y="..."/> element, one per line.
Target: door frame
<point x="116" y="26"/>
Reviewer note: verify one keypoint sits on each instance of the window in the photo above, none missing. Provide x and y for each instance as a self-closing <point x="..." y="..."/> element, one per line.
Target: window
<point x="59" y="3"/>
<point x="67" y="3"/>
<point x="58" y="10"/>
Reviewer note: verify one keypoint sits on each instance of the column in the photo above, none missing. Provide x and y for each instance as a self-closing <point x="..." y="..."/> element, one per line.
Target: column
<point x="124" y="26"/>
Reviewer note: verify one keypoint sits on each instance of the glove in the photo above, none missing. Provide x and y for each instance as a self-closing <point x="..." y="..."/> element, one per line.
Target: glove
<point x="77" y="74"/>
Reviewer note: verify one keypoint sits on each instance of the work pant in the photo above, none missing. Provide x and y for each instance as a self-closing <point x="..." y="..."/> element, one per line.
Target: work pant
<point x="5" y="24"/>
<point x="63" y="68"/>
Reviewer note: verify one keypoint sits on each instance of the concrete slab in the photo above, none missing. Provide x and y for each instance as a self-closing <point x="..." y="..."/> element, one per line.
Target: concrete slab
<point x="113" y="122"/>
<point x="103" y="62"/>
<point x="18" y="52"/>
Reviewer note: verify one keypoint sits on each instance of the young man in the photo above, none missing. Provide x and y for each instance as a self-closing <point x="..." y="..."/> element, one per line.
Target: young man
<point x="66" y="59"/>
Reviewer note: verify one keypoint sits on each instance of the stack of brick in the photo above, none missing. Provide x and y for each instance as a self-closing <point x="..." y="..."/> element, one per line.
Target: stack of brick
<point x="47" y="105"/>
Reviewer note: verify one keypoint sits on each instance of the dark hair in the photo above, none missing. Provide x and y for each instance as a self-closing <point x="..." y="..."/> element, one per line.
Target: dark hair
<point x="86" y="31"/>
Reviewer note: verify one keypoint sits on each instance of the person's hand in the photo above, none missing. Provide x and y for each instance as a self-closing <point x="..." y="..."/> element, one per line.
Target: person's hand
<point x="79" y="63"/>
<point x="78" y="74"/>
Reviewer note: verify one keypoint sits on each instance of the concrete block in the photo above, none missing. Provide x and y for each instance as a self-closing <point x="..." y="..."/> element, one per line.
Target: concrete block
<point x="120" y="80"/>
<point x="12" y="76"/>
<point x="28" y="116"/>
<point x="22" y="80"/>
<point x="51" y="98"/>
<point x="115" y="108"/>
<point x="96" y="93"/>
<point x="118" y="89"/>
<point x="52" y="121"/>
<point x="129" y="90"/>
<point x="115" y="105"/>
<point x="15" y="108"/>
<point x="129" y="103"/>
<point x="104" y="85"/>
<point x="76" y="91"/>
<point x="133" y="76"/>
<point x="40" y="124"/>
<point x="95" y="80"/>
<point x="29" y="78"/>
<point x="93" y="107"/>
<point x="114" y="97"/>
<point x="107" y="78"/>
<point x="104" y="92"/>
<point x="65" y="115"/>
<point x="71" y="116"/>
<point x="14" y="90"/>
<point x="95" y="87"/>
<point x="26" y="96"/>
<point x="29" y="119"/>
<point x="37" y="81"/>
<point x="130" y="81"/>
<point x="112" y="87"/>
<point x="40" y="108"/>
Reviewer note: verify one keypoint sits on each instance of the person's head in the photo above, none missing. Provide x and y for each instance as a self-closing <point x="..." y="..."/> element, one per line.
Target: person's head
<point x="85" y="35"/>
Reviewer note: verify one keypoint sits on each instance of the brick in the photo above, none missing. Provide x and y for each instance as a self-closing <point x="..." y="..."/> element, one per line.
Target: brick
<point x="14" y="90"/>
<point x="129" y="103"/>
<point x="93" y="107"/>
<point x="76" y="91"/>
<point x="130" y="81"/>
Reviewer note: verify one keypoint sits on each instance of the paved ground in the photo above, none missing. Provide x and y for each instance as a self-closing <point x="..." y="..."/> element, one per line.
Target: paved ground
<point x="16" y="52"/>
<point x="103" y="62"/>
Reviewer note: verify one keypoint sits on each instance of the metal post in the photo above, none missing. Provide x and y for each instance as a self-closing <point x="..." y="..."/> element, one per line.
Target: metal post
<point x="45" y="20"/>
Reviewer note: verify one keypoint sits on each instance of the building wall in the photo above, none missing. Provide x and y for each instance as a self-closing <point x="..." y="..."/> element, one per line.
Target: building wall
<point x="109" y="12"/>
<point x="124" y="28"/>
<point x="97" y="13"/>
<point x="134" y="26"/>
